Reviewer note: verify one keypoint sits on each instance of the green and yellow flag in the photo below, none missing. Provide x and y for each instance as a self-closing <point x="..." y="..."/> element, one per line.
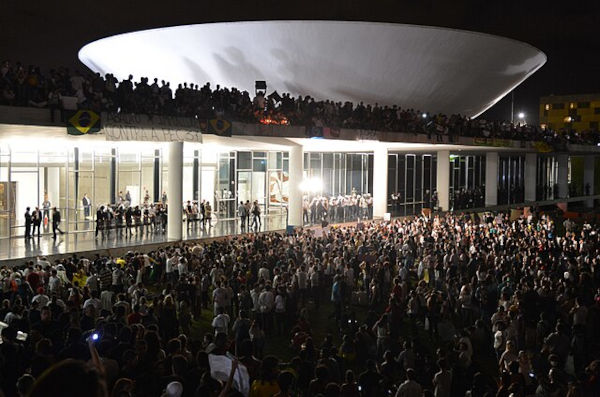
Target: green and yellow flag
<point x="219" y="127"/>
<point x="83" y="122"/>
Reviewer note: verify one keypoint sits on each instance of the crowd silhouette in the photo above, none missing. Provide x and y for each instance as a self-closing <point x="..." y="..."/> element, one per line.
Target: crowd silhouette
<point x="61" y="88"/>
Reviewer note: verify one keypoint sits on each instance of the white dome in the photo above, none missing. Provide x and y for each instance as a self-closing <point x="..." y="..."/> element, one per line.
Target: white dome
<point x="425" y="68"/>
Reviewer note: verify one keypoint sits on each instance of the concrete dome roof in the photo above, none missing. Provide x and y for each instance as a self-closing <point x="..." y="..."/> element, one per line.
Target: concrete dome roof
<point x="426" y="68"/>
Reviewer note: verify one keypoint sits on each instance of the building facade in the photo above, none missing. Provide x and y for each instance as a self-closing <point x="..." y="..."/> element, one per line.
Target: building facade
<point x="572" y="112"/>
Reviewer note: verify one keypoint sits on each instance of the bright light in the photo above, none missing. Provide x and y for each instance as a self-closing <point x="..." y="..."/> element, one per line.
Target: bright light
<point x="424" y="115"/>
<point x="311" y="185"/>
<point x="521" y="115"/>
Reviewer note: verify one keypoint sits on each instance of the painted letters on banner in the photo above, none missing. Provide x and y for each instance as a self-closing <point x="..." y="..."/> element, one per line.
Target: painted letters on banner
<point x="135" y="127"/>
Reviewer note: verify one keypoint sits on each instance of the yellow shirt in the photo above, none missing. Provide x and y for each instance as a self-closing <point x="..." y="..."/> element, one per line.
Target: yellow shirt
<point x="261" y="388"/>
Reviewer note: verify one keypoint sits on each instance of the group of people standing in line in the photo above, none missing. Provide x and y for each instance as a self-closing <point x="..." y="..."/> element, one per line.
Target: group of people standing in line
<point x="339" y="208"/>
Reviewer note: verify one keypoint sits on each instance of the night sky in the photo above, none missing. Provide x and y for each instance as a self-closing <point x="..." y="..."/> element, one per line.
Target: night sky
<point x="50" y="34"/>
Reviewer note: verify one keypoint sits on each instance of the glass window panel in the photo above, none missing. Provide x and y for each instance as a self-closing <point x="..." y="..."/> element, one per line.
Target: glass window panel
<point x="272" y="160"/>
<point x="402" y="177"/>
<point x="419" y="178"/>
<point x="259" y="165"/>
<point x="244" y="185"/>
<point x="410" y="177"/>
<point x="244" y="161"/>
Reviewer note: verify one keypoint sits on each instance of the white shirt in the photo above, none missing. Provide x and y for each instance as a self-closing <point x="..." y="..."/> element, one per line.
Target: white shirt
<point x="301" y="279"/>
<point x="221" y="323"/>
<point x="266" y="301"/>
<point x="182" y="268"/>
<point x="94" y="302"/>
<point x="106" y="299"/>
<point x="170" y="264"/>
<point x="409" y="388"/>
<point x="41" y="299"/>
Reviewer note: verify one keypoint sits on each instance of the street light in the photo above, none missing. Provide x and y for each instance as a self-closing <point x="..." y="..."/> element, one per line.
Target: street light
<point x="521" y="115"/>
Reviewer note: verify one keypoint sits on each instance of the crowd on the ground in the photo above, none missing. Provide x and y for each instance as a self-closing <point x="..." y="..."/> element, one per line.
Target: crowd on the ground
<point x="60" y="88"/>
<point x="450" y="305"/>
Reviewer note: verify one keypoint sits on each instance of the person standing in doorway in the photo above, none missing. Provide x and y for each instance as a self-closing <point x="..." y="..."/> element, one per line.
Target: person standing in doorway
<point x="37" y="221"/>
<point x="28" y="221"/>
<point x="46" y="205"/>
<point x="87" y="203"/>
<point x="242" y="214"/>
<point x="56" y="221"/>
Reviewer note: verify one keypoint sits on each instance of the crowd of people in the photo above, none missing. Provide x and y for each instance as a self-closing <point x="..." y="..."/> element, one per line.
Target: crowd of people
<point x="60" y="88"/>
<point x="318" y="208"/>
<point x="447" y="305"/>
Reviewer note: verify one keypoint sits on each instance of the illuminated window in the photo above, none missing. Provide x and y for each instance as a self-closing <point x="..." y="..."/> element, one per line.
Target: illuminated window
<point x="547" y="107"/>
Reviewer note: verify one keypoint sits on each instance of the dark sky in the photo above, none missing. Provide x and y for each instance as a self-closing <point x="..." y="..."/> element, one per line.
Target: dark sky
<point x="50" y="33"/>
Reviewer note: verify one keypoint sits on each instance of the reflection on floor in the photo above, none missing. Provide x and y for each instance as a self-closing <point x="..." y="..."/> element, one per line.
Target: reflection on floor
<point x="18" y="248"/>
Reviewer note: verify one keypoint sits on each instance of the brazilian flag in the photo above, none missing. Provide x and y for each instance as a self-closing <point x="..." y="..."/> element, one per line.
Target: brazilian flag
<point x="83" y="122"/>
<point x="219" y="127"/>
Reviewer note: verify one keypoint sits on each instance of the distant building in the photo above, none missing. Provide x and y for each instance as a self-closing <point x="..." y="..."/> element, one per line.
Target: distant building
<point x="577" y="112"/>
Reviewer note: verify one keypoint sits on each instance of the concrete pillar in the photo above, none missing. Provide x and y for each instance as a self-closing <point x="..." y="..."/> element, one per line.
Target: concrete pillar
<point x="563" y="176"/>
<point x="491" y="179"/>
<point x="530" y="176"/>
<point x="175" y="191"/>
<point x="380" y="180"/>
<point x="443" y="179"/>
<point x="295" y="179"/>
<point x="589" y="163"/>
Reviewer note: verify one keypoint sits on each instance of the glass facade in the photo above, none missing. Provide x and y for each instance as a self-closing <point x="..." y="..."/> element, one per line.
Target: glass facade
<point x="79" y="179"/>
<point x="547" y="178"/>
<point x="467" y="181"/>
<point x="511" y="179"/>
<point x="339" y="173"/>
<point x="411" y="182"/>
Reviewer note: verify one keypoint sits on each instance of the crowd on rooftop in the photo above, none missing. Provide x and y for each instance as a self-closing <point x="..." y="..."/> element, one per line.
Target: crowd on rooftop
<point x="60" y="88"/>
<point x="450" y="305"/>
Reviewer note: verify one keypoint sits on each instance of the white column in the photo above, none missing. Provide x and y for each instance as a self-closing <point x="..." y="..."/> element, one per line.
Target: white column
<point x="295" y="193"/>
<point x="563" y="176"/>
<point x="443" y="179"/>
<point x="491" y="179"/>
<point x="380" y="180"/>
<point x="530" y="176"/>
<point x="589" y="164"/>
<point x="175" y="191"/>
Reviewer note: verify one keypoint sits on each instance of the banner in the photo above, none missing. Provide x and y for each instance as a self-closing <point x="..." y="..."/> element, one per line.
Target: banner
<point x="82" y="122"/>
<point x="136" y="127"/>
<point x="542" y="147"/>
<point x="496" y="142"/>
<point x="219" y="127"/>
